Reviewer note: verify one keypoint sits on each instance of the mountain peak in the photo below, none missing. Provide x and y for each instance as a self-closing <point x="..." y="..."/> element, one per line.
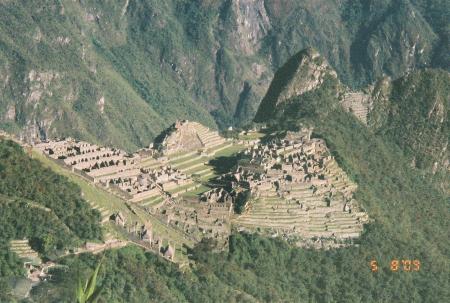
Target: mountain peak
<point x="303" y="72"/>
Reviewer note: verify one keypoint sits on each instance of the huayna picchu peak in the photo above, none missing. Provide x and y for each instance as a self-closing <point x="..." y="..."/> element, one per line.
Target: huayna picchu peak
<point x="303" y="72"/>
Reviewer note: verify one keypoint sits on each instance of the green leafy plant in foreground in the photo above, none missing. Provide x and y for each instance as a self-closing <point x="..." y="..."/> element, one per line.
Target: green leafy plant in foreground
<point x="90" y="293"/>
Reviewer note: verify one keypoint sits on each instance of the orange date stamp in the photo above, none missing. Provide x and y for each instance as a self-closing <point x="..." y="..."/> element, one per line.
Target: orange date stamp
<point x="395" y="265"/>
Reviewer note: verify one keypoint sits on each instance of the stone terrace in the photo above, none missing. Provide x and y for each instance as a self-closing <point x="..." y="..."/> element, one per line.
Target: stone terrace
<point x="297" y="188"/>
<point x="186" y="136"/>
<point x="23" y="249"/>
<point x="357" y="103"/>
<point x="199" y="219"/>
<point x="156" y="180"/>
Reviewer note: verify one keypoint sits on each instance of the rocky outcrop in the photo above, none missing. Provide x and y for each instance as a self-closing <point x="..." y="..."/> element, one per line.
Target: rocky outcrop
<point x="101" y="104"/>
<point x="311" y="72"/>
<point x="186" y="136"/>
<point x="303" y="72"/>
<point x="252" y="24"/>
<point x="38" y="84"/>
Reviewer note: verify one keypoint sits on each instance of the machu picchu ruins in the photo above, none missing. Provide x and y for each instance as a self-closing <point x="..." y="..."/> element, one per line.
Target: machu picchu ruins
<point x="296" y="189"/>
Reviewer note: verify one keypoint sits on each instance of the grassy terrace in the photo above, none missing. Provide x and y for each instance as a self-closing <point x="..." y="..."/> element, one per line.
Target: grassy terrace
<point x="190" y="163"/>
<point x="151" y="201"/>
<point x="151" y="164"/>
<point x="204" y="172"/>
<point x="198" y="170"/>
<point x="181" y="189"/>
<point x="196" y="192"/>
<point x="182" y="157"/>
<point x="229" y="151"/>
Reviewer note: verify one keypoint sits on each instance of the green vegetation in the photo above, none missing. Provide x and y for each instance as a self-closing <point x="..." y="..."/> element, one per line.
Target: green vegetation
<point x="90" y="293"/>
<point x="196" y="192"/>
<point x="103" y="199"/>
<point x="422" y="97"/>
<point x="41" y="206"/>
<point x="46" y="233"/>
<point x="251" y="136"/>
<point x="395" y="196"/>
<point x="229" y="151"/>
<point x="26" y="178"/>
<point x="241" y="200"/>
<point x="280" y="82"/>
<point x="154" y="62"/>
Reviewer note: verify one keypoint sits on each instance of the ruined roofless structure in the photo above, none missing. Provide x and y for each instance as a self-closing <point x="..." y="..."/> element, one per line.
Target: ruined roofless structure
<point x="298" y="191"/>
<point x="137" y="177"/>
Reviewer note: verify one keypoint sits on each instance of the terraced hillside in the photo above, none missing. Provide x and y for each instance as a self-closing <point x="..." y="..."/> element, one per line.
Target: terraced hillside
<point x="151" y="187"/>
<point x="318" y="205"/>
<point x="299" y="192"/>
<point x="23" y="249"/>
<point x="108" y="204"/>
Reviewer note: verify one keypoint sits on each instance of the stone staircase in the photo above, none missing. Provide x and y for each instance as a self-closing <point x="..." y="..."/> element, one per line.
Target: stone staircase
<point x="208" y="138"/>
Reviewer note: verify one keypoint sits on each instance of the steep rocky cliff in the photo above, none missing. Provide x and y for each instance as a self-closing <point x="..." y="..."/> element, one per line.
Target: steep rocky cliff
<point x="119" y="72"/>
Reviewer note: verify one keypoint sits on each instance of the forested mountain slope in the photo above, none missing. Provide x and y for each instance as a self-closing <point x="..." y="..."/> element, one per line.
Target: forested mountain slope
<point x="38" y="205"/>
<point x="413" y="111"/>
<point x="118" y="72"/>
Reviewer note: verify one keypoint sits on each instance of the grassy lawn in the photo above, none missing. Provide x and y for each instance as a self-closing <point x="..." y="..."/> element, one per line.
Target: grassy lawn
<point x="251" y="136"/>
<point x="229" y="151"/>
